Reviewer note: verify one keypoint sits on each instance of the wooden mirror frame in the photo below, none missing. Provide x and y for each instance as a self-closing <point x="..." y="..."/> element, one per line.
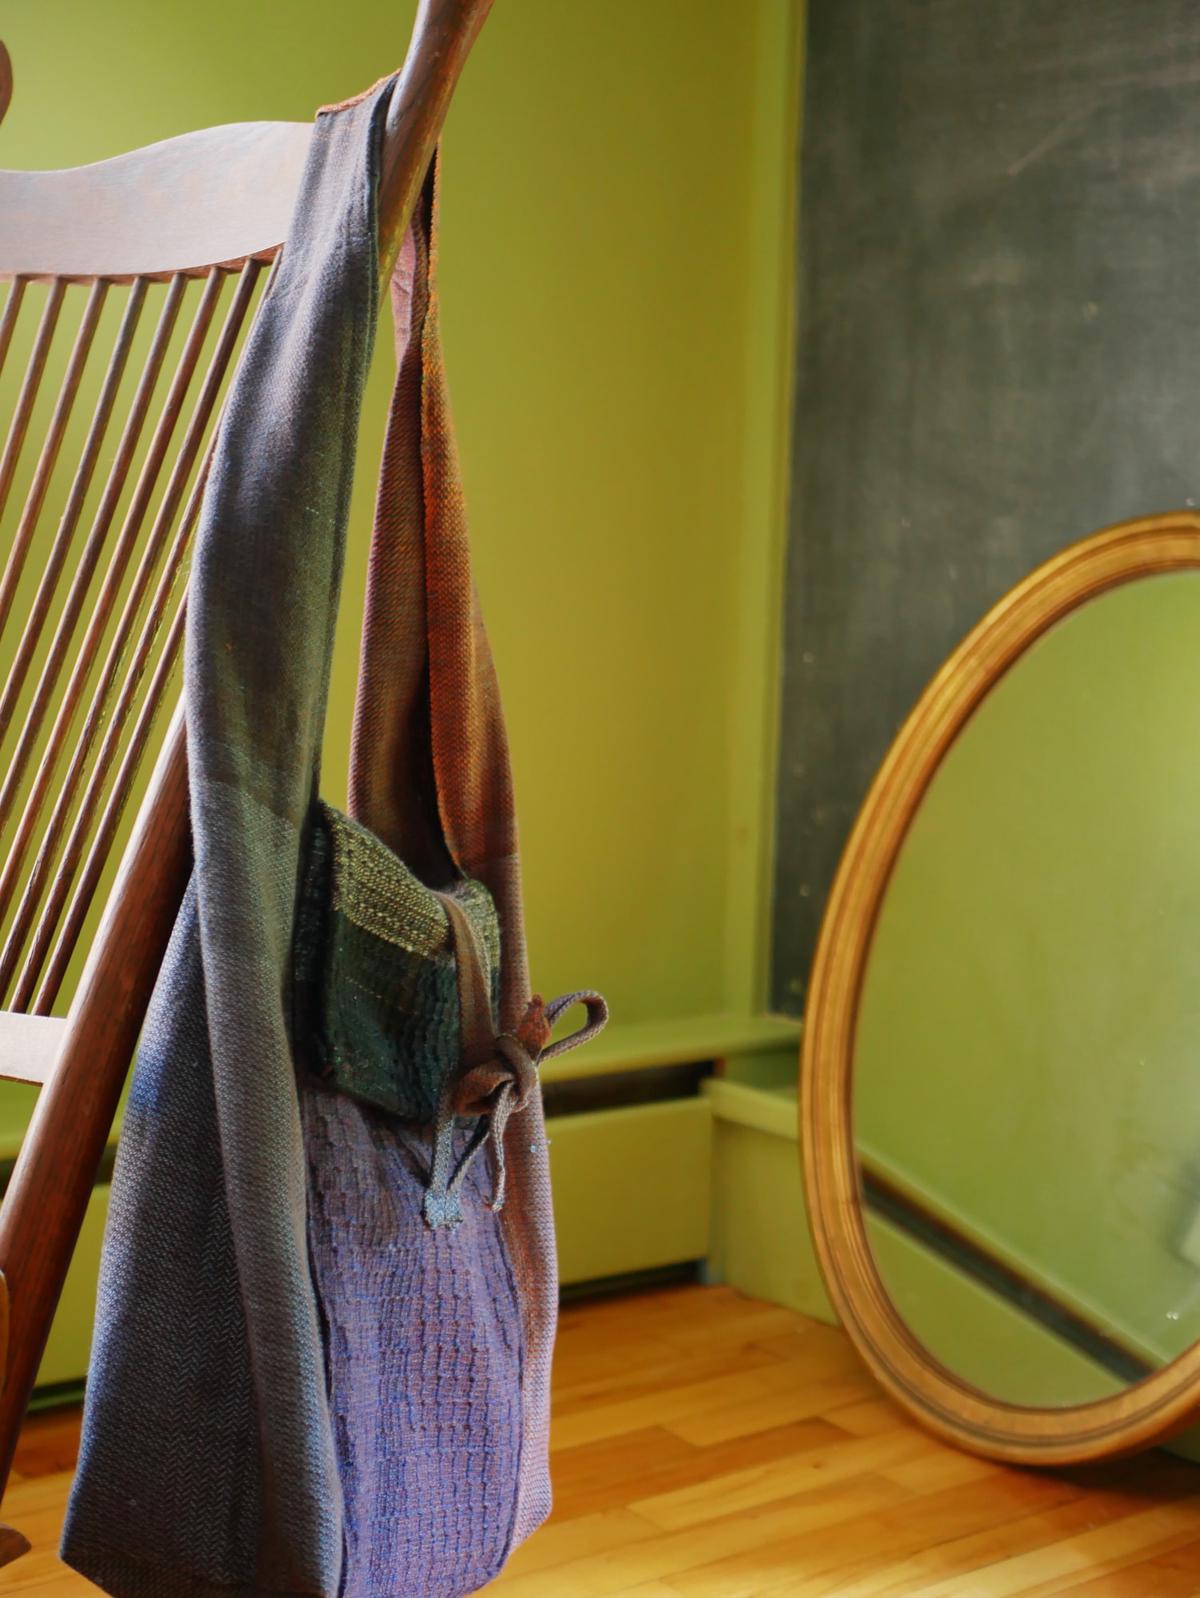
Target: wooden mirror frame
<point x="1168" y="1400"/>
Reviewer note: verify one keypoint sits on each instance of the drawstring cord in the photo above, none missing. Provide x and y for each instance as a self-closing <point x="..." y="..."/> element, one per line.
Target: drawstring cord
<point x="497" y="1075"/>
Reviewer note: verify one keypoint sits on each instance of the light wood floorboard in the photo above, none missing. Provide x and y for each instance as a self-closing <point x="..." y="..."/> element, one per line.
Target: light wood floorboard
<point x="708" y="1446"/>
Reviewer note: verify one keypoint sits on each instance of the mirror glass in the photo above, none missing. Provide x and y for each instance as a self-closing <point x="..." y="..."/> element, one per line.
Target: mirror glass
<point x="1027" y="1055"/>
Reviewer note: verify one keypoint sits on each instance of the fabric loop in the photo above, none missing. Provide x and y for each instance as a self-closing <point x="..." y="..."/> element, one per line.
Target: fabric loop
<point x="597" y="1013"/>
<point x="494" y="1090"/>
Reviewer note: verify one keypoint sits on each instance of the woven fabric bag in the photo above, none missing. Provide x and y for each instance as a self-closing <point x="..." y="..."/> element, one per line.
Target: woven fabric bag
<point x="327" y="1292"/>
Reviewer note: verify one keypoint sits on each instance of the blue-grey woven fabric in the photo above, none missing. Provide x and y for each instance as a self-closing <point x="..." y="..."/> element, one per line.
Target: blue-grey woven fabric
<point x="296" y="1387"/>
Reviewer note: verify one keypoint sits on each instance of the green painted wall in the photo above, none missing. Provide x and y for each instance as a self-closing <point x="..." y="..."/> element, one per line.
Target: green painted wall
<point x="611" y="264"/>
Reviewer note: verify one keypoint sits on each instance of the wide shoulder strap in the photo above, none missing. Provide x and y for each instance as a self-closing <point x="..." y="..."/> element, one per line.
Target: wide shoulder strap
<point x="262" y="603"/>
<point x="430" y="774"/>
<point x="430" y="769"/>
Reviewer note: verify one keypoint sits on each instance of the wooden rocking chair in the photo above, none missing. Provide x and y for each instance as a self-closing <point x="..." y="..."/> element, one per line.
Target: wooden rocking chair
<point x="90" y="618"/>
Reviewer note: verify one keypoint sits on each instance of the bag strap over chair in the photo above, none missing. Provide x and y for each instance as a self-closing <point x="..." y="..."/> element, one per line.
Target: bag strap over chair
<point x="429" y="770"/>
<point x="430" y="774"/>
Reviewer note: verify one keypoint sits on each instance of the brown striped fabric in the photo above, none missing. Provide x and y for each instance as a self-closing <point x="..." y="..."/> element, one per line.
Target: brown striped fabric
<point x="430" y="769"/>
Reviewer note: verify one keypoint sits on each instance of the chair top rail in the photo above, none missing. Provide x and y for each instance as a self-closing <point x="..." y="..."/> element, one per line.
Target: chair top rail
<point x="217" y="197"/>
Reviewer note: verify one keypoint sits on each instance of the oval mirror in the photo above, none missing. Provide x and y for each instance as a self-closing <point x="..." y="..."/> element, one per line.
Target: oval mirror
<point x="1001" y="1077"/>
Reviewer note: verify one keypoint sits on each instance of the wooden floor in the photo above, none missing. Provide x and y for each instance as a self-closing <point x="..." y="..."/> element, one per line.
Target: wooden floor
<point x="707" y="1446"/>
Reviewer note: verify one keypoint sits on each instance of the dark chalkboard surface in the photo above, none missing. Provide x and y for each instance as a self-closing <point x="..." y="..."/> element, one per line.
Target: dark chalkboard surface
<point x="999" y="352"/>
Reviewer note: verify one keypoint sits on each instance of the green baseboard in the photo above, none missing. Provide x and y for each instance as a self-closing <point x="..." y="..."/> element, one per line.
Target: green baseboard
<point x="760" y="1237"/>
<point x="632" y="1194"/>
<point x="632" y="1187"/>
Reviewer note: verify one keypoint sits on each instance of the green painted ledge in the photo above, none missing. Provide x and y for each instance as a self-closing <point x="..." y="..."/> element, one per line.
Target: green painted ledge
<point x="637" y="1046"/>
<point x="773" y="1110"/>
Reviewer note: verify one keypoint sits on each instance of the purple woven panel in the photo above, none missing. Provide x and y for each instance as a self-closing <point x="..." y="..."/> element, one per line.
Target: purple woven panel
<point x="424" y="1355"/>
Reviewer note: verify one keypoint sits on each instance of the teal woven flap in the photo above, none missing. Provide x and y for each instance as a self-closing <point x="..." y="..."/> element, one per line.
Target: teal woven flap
<point x="375" y="959"/>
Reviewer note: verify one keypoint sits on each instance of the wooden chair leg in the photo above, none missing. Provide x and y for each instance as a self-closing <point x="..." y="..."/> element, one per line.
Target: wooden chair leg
<point x="12" y="1545"/>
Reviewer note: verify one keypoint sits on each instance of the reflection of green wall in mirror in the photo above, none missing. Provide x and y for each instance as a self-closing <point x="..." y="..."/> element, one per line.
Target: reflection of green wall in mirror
<point x="1026" y="1055"/>
<point x="980" y="1337"/>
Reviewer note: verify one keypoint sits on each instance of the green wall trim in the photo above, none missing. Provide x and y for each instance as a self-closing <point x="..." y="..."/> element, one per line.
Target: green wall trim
<point x="1020" y="1262"/>
<point x="769" y="1110"/>
<point x="768" y="351"/>
<point x="642" y="1045"/>
<point x="760" y="1237"/>
<point x="632" y="1188"/>
<point x="632" y="1192"/>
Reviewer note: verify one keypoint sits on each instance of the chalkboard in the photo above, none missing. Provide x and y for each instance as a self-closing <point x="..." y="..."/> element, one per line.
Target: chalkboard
<point x="998" y="327"/>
